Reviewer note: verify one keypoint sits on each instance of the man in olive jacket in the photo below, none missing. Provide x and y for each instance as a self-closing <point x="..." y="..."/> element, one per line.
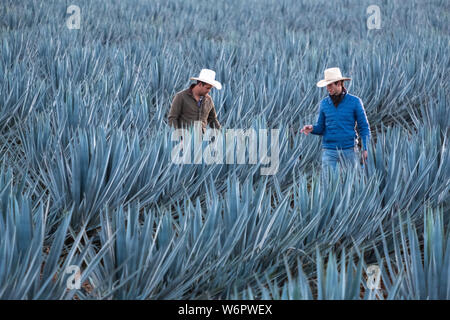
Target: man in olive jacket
<point x="195" y="103"/>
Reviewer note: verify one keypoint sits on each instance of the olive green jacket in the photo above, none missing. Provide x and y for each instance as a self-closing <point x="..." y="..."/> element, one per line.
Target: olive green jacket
<point x="184" y="111"/>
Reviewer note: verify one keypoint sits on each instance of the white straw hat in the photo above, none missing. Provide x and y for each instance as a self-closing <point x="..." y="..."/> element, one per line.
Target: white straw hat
<point x="208" y="76"/>
<point x="331" y="75"/>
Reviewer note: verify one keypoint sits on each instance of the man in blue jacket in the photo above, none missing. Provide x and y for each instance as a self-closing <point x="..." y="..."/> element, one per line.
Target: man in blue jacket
<point x="336" y="122"/>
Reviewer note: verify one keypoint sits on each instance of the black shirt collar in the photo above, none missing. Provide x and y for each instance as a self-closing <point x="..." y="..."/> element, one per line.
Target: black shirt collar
<point x="338" y="98"/>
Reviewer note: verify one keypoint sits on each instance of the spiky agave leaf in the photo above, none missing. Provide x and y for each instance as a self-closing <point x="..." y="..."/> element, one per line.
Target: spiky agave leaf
<point x="29" y="268"/>
<point x="420" y="262"/>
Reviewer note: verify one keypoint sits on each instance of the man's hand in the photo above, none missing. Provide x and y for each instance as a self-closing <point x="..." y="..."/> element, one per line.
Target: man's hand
<point x="364" y="156"/>
<point x="307" y="129"/>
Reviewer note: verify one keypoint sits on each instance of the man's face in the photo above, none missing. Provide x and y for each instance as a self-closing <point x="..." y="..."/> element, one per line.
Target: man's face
<point x="334" y="88"/>
<point x="205" y="88"/>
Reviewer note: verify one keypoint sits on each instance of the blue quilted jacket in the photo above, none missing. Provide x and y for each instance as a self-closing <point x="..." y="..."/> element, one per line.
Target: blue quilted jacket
<point x="337" y="124"/>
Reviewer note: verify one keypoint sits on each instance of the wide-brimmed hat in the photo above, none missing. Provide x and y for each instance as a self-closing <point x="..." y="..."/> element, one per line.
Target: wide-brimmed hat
<point x="331" y="75"/>
<point x="208" y="76"/>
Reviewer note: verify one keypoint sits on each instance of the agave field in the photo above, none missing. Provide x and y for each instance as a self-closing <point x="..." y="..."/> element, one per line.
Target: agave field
<point x="86" y="177"/>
